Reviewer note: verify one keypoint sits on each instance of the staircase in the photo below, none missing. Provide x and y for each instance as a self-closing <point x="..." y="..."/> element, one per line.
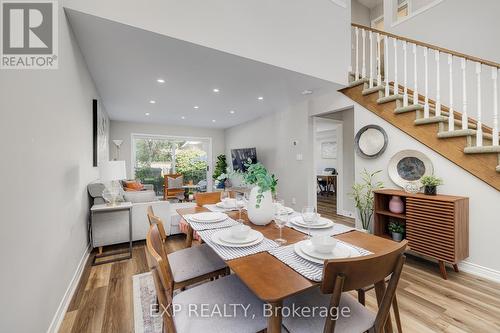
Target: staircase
<point x="464" y="140"/>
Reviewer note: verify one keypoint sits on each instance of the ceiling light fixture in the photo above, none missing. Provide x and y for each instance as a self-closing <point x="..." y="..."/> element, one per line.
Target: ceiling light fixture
<point x="152" y="101"/>
<point x="196" y="107"/>
<point x="307" y="92"/>
<point x="160" y="80"/>
<point x="183" y="117"/>
<point x="232" y="112"/>
<point x="213" y="120"/>
<point x="216" y="90"/>
<point x="260" y="98"/>
<point x="147" y="114"/>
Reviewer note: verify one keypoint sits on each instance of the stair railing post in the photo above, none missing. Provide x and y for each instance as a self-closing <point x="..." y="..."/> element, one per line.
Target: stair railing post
<point x="479" y="132"/>
<point x="405" y="60"/>
<point x="426" y="93"/>
<point x="386" y="65"/>
<point x="356" y="73"/>
<point x="363" y="65"/>
<point x="370" y="38"/>
<point x="465" y="118"/>
<point x="415" y="93"/>
<point x="396" y="83"/>
<point x="494" y="77"/>
<point x="451" y="116"/>
<point x="379" y="57"/>
<point x="438" y="85"/>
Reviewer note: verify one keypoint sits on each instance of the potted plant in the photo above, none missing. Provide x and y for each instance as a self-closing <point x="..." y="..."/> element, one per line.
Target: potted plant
<point x="430" y="184"/>
<point x="397" y="228"/>
<point x="362" y="193"/>
<point x="260" y="206"/>
<point x="220" y="174"/>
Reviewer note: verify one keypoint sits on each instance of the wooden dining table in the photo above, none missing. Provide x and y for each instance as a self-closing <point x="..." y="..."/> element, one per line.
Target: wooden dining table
<point x="273" y="281"/>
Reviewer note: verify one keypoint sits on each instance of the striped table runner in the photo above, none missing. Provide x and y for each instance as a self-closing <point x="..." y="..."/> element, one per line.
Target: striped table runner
<point x="228" y="253"/>
<point x="197" y="226"/>
<point x="306" y="268"/>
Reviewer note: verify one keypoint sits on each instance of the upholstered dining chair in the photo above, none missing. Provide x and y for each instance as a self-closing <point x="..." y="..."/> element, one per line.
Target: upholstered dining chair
<point x="173" y="186"/>
<point x="187" y="266"/>
<point x="224" y="291"/>
<point x="341" y="276"/>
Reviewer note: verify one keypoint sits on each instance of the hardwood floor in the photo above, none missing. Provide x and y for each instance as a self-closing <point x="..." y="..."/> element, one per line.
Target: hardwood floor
<point x="327" y="207"/>
<point x="463" y="303"/>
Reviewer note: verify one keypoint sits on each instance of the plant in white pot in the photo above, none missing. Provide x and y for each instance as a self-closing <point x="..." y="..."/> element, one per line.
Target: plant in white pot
<point x="260" y="204"/>
<point x="362" y="193"/>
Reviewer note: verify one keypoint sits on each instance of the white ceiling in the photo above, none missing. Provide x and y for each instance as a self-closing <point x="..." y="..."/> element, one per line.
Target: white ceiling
<point x="125" y="63"/>
<point x="370" y="3"/>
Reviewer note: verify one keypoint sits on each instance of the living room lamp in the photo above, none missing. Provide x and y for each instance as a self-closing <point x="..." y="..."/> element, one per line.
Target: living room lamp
<point x="111" y="173"/>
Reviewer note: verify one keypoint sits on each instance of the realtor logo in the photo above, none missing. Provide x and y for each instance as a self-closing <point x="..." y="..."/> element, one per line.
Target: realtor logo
<point x="29" y="34"/>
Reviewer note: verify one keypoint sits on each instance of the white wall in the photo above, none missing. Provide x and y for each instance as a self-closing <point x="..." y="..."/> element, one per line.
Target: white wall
<point x="360" y="14"/>
<point x="120" y="130"/>
<point x="308" y="37"/>
<point x="46" y="135"/>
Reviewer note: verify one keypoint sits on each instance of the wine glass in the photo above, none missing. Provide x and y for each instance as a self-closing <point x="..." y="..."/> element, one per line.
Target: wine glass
<point x="309" y="216"/>
<point x="224" y="195"/>
<point x="240" y="204"/>
<point x="279" y="206"/>
<point x="281" y="220"/>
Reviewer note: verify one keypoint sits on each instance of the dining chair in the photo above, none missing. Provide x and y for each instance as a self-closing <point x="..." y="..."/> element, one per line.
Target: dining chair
<point x="187" y="266"/>
<point x="153" y="219"/>
<point x="179" y="311"/>
<point x="173" y="186"/>
<point x="209" y="198"/>
<point x="341" y="276"/>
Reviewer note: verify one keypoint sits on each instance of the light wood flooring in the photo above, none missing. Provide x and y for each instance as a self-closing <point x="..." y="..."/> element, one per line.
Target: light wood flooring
<point x="463" y="303"/>
<point x="327" y="207"/>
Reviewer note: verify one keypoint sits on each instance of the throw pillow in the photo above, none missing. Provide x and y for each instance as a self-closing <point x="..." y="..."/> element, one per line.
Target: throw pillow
<point x="133" y="186"/>
<point x="175" y="182"/>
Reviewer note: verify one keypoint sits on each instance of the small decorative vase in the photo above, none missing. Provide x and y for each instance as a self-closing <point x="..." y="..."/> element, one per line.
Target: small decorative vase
<point x="265" y="213"/>
<point x="397" y="237"/>
<point x="191" y="196"/>
<point x="430" y="190"/>
<point x="396" y="205"/>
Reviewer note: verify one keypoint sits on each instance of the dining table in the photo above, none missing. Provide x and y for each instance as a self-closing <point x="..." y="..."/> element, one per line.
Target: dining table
<point x="273" y="281"/>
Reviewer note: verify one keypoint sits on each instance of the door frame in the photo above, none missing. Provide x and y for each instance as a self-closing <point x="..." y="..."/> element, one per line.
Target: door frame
<point x="174" y="137"/>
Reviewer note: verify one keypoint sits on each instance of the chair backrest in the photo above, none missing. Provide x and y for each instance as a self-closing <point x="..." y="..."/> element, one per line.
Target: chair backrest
<point x="358" y="272"/>
<point x="155" y="220"/>
<point x="172" y="176"/>
<point x="150" y="213"/>
<point x="158" y="259"/>
<point x="209" y="198"/>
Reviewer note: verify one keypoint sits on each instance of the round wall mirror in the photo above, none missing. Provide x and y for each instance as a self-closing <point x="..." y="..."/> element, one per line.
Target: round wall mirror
<point x="371" y="141"/>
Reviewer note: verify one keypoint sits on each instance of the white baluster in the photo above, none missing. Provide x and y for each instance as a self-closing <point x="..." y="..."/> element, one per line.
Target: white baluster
<point x="494" y="75"/>
<point x="386" y="65"/>
<point x="479" y="132"/>
<point x="396" y="83"/>
<point x="415" y="92"/>
<point x="465" y="118"/>
<point x="426" y="92"/>
<point x="379" y="65"/>
<point x="370" y="38"/>
<point x="451" y="116"/>
<point x="405" y="93"/>
<point x="356" y="73"/>
<point x="438" y="85"/>
<point x="363" y="66"/>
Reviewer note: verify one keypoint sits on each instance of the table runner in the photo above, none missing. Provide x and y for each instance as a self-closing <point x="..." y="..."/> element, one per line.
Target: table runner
<point x="306" y="268"/>
<point x="228" y="253"/>
<point x="197" y="226"/>
<point x="214" y="208"/>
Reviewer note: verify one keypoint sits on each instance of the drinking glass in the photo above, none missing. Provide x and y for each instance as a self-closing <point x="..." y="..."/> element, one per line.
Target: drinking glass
<point x="281" y="220"/>
<point x="240" y="203"/>
<point x="279" y="206"/>
<point x="309" y="216"/>
<point x="224" y="195"/>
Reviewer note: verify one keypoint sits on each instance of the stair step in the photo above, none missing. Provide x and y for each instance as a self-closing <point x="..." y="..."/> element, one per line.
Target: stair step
<point x="408" y="108"/>
<point x="388" y="99"/>
<point x="357" y="82"/>
<point x="498" y="168"/>
<point x="482" y="150"/>
<point x="431" y="120"/>
<point x="372" y="90"/>
<point x="461" y="132"/>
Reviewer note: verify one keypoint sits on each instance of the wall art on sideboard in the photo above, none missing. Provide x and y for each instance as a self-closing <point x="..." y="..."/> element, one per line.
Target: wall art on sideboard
<point x="407" y="167"/>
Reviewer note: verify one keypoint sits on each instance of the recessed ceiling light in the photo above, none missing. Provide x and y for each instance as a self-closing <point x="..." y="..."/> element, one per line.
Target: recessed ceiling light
<point x="147" y="114"/>
<point x="160" y="80"/>
<point x="183" y="117"/>
<point x="213" y="120"/>
<point x="260" y="98"/>
<point x="152" y="101"/>
<point x="216" y="90"/>
<point x="307" y="92"/>
<point x="232" y="112"/>
<point x="196" y="107"/>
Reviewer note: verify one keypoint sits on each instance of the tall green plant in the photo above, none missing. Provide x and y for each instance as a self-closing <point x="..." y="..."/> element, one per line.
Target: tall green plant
<point x="258" y="175"/>
<point x="362" y="193"/>
<point x="220" y="166"/>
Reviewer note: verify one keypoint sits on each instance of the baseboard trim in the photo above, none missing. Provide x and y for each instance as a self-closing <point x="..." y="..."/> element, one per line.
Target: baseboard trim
<point x="346" y="213"/>
<point x="68" y="295"/>
<point x="480" y="271"/>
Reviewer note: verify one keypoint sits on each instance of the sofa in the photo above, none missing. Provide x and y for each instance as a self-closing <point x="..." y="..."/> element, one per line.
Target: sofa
<point x="112" y="227"/>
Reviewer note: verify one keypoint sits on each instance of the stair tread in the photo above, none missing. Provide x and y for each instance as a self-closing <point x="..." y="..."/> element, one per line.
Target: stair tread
<point x="482" y="150"/>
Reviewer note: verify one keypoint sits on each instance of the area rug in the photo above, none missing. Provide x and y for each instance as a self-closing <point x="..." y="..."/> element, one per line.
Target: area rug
<point x="144" y="294"/>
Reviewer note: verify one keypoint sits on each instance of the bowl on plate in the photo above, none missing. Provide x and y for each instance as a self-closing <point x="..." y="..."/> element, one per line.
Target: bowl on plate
<point x="229" y="203"/>
<point x="240" y="231"/>
<point x="323" y="244"/>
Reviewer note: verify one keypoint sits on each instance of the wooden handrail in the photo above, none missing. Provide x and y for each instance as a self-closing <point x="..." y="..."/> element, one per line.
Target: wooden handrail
<point x="430" y="46"/>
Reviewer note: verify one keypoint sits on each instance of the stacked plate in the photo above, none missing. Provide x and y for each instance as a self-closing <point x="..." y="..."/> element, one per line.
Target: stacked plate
<point x="286" y="210"/>
<point x="208" y="217"/>
<point x="305" y="249"/>
<point x="321" y="223"/>
<point x="225" y="206"/>
<point x="225" y="238"/>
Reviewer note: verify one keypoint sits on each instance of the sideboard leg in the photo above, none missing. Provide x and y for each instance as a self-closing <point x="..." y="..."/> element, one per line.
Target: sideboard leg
<point x="442" y="269"/>
<point x="455" y="268"/>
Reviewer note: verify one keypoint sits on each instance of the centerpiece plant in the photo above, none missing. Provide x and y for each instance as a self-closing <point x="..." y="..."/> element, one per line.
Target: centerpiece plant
<point x="256" y="174"/>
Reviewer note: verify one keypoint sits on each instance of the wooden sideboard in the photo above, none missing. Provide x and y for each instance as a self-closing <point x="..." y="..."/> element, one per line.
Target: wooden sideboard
<point x="437" y="226"/>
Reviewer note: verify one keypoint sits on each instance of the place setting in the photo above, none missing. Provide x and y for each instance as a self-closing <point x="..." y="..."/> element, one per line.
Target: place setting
<point x="311" y="223"/>
<point x="228" y="204"/>
<point x="209" y="220"/>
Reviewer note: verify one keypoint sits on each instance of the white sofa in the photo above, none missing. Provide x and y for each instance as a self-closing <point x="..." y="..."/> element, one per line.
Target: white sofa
<point x="112" y="227"/>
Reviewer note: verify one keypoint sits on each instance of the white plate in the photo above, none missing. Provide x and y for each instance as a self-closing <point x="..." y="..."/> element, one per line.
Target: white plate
<point x="298" y="250"/>
<point x="288" y="210"/>
<point x="216" y="239"/>
<point x="340" y="251"/>
<point x="209" y="217"/>
<point x="226" y="237"/>
<point x="325" y="223"/>
<point x="221" y="205"/>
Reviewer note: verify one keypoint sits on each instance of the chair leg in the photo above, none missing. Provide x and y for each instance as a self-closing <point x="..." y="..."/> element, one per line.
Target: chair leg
<point x="362" y="296"/>
<point x="395" y="308"/>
